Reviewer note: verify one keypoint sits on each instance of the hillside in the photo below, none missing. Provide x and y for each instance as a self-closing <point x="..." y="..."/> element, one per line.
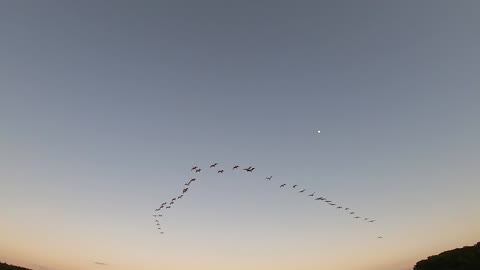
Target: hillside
<point x="466" y="258"/>
<point x="5" y="266"/>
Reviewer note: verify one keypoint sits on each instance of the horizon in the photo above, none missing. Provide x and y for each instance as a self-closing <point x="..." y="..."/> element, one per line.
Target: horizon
<point x="106" y="106"/>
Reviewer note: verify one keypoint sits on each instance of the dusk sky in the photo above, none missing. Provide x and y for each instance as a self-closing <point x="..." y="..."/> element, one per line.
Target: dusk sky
<point x="106" y="105"/>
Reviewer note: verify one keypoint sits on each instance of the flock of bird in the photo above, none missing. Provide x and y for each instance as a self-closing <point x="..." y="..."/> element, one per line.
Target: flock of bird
<point x="159" y="212"/>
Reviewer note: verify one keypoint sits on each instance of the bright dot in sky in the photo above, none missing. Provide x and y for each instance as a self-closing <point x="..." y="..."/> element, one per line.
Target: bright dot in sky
<point x="318" y="131"/>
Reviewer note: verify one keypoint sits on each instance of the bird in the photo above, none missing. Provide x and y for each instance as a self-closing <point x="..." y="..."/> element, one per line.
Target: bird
<point x="213" y="165"/>
<point x="346" y="209"/>
<point x="187" y="184"/>
<point x="268" y="178"/>
<point x="235" y="167"/>
<point x="174" y="199"/>
<point x="318" y="198"/>
<point x="332" y="204"/>
<point x="193" y="180"/>
<point x="373" y="220"/>
<point x="198" y="170"/>
<point x="301" y="191"/>
<point x="365" y="218"/>
<point x="168" y="207"/>
<point x="311" y="195"/>
<point x="247" y="169"/>
<point x="328" y="201"/>
<point x="194" y="168"/>
<point x="158" y="209"/>
<point x="181" y="196"/>
<point x="380" y="237"/>
<point x="357" y="217"/>
<point x="352" y="213"/>
<point x="171" y="203"/>
<point x="294" y="186"/>
<point x="282" y="185"/>
<point x="185" y="190"/>
<point x="339" y="207"/>
<point x="220" y="171"/>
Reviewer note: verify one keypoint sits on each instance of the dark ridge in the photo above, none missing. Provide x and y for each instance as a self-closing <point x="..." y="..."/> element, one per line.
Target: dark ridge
<point x="466" y="258"/>
<point x="5" y="266"/>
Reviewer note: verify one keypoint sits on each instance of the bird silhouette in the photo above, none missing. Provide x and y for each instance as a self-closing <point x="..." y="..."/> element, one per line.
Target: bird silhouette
<point x="168" y="207"/>
<point x="198" y="170"/>
<point x="311" y="195"/>
<point x="184" y="190"/>
<point x="301" y="191"/>
<point x="282" y="185"/>
<point x="346" y="209"/>
<point x="248" y="169"/>
<point x="365" y="218"/>
<point x="213" y="165"/>
<point x="268" y="178"/>
<point x="220" y="171"/>
<point x="357" y="217"/>
<point x="294" y="186"/>
<point x="194" y="168"/>
<point x="352" y="213"/>
<point x="235" y="167"/>
<point x="328" y="201"/>
<point x="380" y="237"/>
<point x="318" y="198"/>
<point x="371" y="221"/>
<point x="339" y="207"/>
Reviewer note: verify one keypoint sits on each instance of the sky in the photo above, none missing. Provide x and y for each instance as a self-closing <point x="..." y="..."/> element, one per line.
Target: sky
<point x="106" y="105"/>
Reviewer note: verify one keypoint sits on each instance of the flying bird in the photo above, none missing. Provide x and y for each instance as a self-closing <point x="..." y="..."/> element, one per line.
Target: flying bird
<point x="294" y="186"/>
<point x="213" y="165"/>
<point x="372" y="220"/>
<point x="311" y="195"/>
<point x="268" y="178"/>
<point x="352" y="213"/>
<point x="318" y="198"/>
<point x="339" y="207"/>
<point x="235" y="167"/>
<point x="328" y="201"/>
<point x="357" y="217"/>
<point x="194" y="168"/>
<point x="346" y="209"/>
<point x="198" y="170"/>
<point x="301" y="191"/>
<point x="282" y="185"/>
<point x="380" y="237"/>
<point x="220" y="171"/>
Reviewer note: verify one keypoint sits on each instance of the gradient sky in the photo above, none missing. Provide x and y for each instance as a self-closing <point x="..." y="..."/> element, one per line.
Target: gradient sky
<point x="105" y="106"/>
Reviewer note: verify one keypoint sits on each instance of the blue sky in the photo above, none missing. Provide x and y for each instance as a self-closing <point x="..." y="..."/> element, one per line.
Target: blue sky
<point x="104" y="107"/>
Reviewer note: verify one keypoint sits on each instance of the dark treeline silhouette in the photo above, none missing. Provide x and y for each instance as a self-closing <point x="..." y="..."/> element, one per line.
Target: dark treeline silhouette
<point x="5" y="266"/>
<point x="466" y="258"/>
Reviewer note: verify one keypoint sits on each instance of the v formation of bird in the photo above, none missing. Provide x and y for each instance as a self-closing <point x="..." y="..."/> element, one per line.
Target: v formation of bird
<point x="195" y="169"/>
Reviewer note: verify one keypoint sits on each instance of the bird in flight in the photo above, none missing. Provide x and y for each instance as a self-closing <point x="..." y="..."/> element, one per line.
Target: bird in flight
<point x="168" y="207"/>
<point x="339" y="207"/>
<point x="352" y="213"/>
<point x="268" y="178"/>
<point x="235" y="167"/>
<point x="346" y="209"/>
<point x="328" y="201"/>
<point x="194" y="168"/>
<point x="294" y="186"/>
<point x="301" y="191"/>
<point x="365" y="218"/>
<point x="198" y="170"/>
<point x="357" y="217"/>
<point x="373" y="220"/>
<point x="213" y="165"/>
<point x="319" y="198"/>
<point x="179" y="197"/>
<point x="380" y="237"/>
<point x="220" y="171"/>
<point x="185" y="190"/>
<point x="311" y="195"/>
<point x="282" y="185"/>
